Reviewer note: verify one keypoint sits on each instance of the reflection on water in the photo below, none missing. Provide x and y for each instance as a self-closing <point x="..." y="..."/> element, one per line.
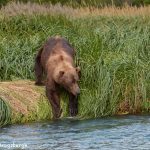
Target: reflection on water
<point x="128" y="132"/>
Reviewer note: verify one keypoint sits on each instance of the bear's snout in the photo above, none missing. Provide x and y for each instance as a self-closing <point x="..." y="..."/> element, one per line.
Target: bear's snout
<point x="75" y="90"/>
<point x="78" y="91"/>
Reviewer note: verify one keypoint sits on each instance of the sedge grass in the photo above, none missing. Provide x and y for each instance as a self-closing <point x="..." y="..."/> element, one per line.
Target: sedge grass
<point x="14" y="9"/>
<point x="5" y="113"/>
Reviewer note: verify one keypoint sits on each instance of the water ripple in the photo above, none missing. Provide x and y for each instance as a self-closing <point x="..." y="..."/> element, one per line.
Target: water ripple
<point x="115" y="133"/>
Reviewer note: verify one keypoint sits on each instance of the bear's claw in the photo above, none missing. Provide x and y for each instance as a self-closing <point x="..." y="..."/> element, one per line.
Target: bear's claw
<point x="73" y="112"/>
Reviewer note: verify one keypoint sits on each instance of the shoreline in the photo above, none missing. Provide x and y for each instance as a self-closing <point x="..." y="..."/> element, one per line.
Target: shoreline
<point x="13" y="92"/>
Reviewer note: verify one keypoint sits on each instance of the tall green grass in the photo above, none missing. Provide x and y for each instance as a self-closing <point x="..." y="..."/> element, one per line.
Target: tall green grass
<point x="113" y="53"/>
<point x="5" y="113"/>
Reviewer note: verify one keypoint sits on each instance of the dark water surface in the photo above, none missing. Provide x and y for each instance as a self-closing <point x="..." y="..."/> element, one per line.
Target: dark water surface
<point x="114" y="133"/>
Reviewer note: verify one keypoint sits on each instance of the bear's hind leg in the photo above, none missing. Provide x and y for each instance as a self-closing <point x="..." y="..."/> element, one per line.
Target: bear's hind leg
<point x="38" y="71"/>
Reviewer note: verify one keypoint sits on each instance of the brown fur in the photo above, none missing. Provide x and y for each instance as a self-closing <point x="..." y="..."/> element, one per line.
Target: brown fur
<point x="56" y="60"/>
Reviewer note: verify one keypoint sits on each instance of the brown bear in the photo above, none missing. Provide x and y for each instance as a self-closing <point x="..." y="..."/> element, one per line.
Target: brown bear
<point x="56" y="60"/>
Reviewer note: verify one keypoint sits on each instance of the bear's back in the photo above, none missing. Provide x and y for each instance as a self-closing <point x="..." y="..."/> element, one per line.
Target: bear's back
<point x="56" y="46"/>
<point x="58" y="43"/>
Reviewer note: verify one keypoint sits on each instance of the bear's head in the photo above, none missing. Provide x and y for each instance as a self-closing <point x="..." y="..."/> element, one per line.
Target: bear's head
<point x="68" y="78"/>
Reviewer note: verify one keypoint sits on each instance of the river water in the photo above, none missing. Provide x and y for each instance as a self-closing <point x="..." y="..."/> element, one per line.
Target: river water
<point x="110" y="133"/>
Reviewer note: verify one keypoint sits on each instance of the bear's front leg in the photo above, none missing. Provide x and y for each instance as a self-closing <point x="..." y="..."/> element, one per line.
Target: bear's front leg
<point x="54" y="99"/>
<point x="73" y="104"/>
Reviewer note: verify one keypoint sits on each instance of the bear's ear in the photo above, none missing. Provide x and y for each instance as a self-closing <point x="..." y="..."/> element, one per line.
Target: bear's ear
<point x="78" y="70"/>
<point x="61" y="73"/>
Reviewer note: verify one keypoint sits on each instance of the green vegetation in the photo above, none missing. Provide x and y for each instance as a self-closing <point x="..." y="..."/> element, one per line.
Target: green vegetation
<point x="113" y="52"/>
<point x="5" y="114"/>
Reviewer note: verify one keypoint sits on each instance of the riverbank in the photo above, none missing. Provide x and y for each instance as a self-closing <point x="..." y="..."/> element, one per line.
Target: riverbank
<point x="112" y="50"/>
<point x="24" y="102"/>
